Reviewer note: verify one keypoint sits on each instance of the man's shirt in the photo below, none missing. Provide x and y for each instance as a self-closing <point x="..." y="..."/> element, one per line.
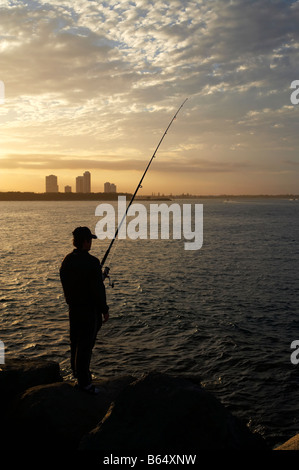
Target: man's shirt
<point x="82" y="281"/>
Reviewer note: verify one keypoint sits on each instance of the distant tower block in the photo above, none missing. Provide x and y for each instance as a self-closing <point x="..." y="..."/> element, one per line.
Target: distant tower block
<point x="107" y="187"/>
<point x="79" y="184"/>
<point x="67" y="189"/>
<point x="86" y="182"/>
<point x="51" y="184"/>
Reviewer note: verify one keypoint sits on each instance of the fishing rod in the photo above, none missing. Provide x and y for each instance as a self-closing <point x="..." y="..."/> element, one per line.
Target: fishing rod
<point x="106" y="270"/>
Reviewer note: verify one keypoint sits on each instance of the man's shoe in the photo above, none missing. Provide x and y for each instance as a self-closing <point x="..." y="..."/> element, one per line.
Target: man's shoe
<point x="91" y="389"/>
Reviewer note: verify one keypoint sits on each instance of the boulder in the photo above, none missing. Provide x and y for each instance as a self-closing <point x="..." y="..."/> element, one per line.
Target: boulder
<point x="291" y="444"/>
<point x="16" y="375"/>
<point x="163" y="413"/>
<point x="56" y="416"/>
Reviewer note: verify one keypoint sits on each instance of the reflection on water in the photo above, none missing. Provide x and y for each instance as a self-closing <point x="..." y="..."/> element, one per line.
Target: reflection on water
<point x="227" y="313"/>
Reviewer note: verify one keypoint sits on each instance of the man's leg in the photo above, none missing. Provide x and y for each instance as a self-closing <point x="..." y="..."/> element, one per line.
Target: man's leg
<point x="85" y="345"/>
<point x="74" y="331"/>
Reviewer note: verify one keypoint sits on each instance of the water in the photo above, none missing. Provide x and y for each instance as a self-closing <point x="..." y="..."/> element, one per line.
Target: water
<point x="226" y="313"/>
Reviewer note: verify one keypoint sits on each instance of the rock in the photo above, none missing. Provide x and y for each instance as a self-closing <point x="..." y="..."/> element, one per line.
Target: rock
<point x="160" y="412"/>
<point x="157" y="412"/>
<point x="56" y="416"/>
<point x="16" y="375"/>
<point x="291" y="444"/>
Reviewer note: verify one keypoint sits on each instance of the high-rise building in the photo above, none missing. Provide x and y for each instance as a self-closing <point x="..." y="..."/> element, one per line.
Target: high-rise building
<point x="83" y="183"/>
<point x="67" y="189"/>
<point x="51" y="184"/>
<point x="109" y="188"/>
<point x="79" y="184"/>
<point x="86" y="182"/>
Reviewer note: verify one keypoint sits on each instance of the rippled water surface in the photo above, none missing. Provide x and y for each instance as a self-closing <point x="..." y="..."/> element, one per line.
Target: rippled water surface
<point x="226" y="313"/>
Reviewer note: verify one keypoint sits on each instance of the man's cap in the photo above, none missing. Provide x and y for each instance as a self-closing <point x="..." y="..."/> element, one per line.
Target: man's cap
<point x="83" y="233"/>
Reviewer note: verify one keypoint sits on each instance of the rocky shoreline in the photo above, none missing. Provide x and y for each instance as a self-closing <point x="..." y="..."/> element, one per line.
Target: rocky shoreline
<point x="157" y="412"/>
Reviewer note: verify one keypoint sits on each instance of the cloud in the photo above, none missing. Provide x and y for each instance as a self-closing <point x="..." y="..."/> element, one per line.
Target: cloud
<point x="104" y="78"/>
<point x="113" y="163"/>
<point x="83" y="49"/>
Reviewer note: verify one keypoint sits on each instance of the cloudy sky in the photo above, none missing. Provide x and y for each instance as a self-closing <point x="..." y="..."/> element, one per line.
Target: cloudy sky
<point x="92" y="85"/>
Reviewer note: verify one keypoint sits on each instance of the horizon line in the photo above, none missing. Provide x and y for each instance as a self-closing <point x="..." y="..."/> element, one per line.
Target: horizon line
<point x="159" y="194"/>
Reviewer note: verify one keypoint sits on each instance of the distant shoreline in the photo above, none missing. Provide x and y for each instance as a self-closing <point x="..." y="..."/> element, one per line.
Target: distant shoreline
<point x="31" y="196"/>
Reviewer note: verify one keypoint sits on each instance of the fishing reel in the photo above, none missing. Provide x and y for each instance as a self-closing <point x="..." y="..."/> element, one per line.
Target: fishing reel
<point x="106" y="275"/>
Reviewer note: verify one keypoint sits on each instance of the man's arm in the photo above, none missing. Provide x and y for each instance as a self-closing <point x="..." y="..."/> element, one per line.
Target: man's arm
<point x="100" y="292"/>
<point x="64" y="278"/>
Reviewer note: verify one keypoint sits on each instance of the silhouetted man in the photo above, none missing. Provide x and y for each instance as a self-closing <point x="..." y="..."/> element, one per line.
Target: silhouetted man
<point x="84" y="291"/>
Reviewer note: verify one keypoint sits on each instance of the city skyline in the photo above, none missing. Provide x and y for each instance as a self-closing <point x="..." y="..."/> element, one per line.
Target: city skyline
<point x="82" y="185"/>
<point x="101" y="82"/>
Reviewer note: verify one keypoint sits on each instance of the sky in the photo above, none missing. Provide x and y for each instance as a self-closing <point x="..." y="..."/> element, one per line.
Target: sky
<point x="92" y="85"/>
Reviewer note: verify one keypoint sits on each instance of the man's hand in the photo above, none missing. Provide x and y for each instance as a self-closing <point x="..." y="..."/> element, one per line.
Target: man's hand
<point x="106" y="317"/>
<point x="105" y="273"/>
